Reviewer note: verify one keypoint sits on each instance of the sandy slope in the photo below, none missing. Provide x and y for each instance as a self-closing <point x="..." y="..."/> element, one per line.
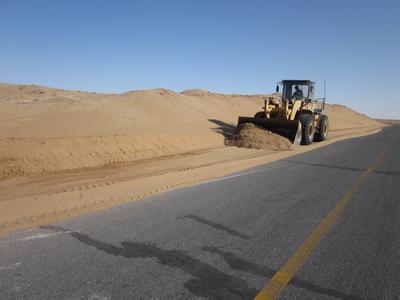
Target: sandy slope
<point x="43" y="129"/>
<point x="65" y="143"/>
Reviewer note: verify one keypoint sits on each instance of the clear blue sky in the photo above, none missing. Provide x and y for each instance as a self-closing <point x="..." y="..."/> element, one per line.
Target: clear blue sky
<point x="225" y="46"/>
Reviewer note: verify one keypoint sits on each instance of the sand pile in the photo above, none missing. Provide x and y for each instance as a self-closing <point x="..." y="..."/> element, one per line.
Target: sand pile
<point x="251" y="136"/>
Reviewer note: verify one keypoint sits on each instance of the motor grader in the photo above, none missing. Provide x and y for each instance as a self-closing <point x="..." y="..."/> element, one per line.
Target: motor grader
<point x="297" y="114"/>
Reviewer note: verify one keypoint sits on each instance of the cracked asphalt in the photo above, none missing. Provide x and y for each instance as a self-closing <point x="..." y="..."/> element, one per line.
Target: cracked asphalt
<point x="225" y="239"/>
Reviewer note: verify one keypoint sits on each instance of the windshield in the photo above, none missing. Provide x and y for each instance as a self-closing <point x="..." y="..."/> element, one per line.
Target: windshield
<point x="295" y="91"/>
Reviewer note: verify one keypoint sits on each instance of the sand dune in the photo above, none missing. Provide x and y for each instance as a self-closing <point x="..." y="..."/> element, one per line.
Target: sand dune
<point x="66" y="153"/>
<point x="44" y="129"/>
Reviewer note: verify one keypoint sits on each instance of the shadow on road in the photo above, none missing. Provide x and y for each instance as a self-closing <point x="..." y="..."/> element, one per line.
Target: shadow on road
<point x="216" y="226"/>
<point x="240" y="264"/>
<point x="208" y="281"/>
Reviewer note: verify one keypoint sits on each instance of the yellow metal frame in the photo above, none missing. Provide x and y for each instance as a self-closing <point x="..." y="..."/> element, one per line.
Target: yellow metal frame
<point x="289" y="110"/>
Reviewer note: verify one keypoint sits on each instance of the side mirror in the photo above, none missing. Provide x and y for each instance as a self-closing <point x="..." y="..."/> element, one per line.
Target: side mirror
<point x="277" y="88"/>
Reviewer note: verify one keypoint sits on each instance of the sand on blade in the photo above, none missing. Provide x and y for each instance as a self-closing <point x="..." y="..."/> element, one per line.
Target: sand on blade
<point x="248" y="135"/>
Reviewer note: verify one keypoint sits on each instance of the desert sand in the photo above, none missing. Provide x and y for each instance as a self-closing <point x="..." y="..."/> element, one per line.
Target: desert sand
<point x="65" y="153"/>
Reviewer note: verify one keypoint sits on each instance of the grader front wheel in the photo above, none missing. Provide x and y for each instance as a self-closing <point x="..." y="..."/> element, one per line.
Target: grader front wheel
<point x="307" y="128"/>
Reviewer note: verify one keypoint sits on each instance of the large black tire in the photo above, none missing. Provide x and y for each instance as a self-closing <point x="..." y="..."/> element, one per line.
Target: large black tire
<point x="307" y="128"/>
<point x="260" y="114"/>
<point x="323" y="129"/>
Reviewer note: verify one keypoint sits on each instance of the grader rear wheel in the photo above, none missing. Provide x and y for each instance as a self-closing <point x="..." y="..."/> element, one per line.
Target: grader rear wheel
<point x="323" y="129"/>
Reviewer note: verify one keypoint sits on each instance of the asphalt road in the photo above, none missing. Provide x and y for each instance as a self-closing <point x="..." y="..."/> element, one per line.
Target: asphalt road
<point x="228" y="237"/>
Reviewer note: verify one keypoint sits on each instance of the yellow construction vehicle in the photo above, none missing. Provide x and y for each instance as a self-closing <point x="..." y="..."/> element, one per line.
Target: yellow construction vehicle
<point x="296" y="114"/>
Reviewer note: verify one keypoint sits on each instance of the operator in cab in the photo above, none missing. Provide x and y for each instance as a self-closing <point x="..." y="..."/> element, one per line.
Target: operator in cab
<point x="298" y="94"/>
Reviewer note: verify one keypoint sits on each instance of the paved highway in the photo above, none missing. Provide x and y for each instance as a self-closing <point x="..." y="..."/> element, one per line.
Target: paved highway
<point x="320" y="225"/>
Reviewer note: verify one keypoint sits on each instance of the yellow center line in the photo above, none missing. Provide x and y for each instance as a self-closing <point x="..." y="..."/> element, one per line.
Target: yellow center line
<point x="281" y="278"/>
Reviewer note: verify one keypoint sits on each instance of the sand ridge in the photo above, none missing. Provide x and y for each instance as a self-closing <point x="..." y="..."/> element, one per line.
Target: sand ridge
<point x="66" y="153"/>
<point x="45" y="130"/>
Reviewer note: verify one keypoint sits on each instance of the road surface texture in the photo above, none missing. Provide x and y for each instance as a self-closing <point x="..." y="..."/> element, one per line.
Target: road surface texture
<point x="331" y="215"/>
